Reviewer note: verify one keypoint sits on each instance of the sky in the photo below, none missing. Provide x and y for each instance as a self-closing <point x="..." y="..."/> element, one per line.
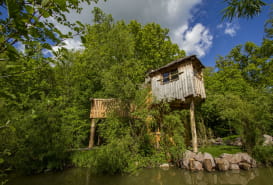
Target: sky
<point x="195" y="25"/>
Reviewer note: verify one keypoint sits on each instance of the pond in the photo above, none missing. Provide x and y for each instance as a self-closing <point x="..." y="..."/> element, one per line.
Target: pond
<point x="156" y="176"/>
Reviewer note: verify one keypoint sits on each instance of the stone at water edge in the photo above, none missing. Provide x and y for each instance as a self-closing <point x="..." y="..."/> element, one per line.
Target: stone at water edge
<point x="253" y="163"/>
<point x="209" y="156"/>
<point x="199" y="157"/>
<point x="186" y="158"/>
<point x="236" y="158"/>
<point x="207" y="165"/>
<point x="165" y="166"/>
<point x="226" y="156"/>
<point x="222" y="164"/>
<point x="244" y="166"/>
<point x="245" y="158"/>
<point x="195" y="165"/>
<point x="234" y="167"/>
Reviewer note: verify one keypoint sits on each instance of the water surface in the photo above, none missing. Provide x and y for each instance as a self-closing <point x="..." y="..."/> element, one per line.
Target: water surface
<point x="173" y="176"/>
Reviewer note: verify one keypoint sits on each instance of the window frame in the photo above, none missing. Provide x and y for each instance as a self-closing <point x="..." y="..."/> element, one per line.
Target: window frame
<point x="170" y="76"/>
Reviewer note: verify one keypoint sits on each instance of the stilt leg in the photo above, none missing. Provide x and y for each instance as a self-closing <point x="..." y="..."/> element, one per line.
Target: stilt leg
<point x="193" y="127"/>
<point x="92" y="133"/>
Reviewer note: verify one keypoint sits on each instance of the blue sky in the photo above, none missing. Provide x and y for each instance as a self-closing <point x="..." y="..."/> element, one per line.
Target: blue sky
<point x="195" y="25"/>
<point x="245" y="30"/>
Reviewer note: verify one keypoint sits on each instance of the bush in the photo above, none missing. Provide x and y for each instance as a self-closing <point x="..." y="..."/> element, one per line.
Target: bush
<point x="264" y="154"/>
<point x="113" y="158"/>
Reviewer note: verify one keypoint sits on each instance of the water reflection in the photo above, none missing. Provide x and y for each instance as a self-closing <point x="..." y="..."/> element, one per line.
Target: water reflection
<point x="174" y="176"/>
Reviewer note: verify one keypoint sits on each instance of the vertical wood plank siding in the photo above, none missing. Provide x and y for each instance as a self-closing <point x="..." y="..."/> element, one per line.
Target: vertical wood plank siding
<point x="187" y="85"/>
<point x="99" y="107"/>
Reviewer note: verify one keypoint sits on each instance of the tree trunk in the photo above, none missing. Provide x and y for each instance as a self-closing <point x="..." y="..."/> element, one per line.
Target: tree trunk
<point x="92" y="133"/>
<point x="193" y="127"/>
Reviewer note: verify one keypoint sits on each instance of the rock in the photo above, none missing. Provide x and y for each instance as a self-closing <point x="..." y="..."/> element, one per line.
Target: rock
<point x="218" y="141"/>
<point x="234" y="167"/>
<point x="211" y="141"/>
<point x="165" y="166"/>
<point x="207" y="165"/>
<point x="268" y="140"/>
<point x="226" y="156"/>
<point x="186" y="159"/>
<point x="195" y="165"/>
<point x="209" y="156"/>
<point x="244" y="166"/>
<point x="253" y="163"/>
<point x="245" y="158"/>
<point x="234" y="142"/>
<point x="237" y="142"/>
<point x="199" y="157"/>
<point x="222" y="164"/>
<point x="235" y="159"/>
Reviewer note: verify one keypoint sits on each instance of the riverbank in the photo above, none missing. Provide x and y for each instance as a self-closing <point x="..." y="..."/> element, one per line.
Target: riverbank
<point x="205" y="161"/>
<point x="114" y="161"/>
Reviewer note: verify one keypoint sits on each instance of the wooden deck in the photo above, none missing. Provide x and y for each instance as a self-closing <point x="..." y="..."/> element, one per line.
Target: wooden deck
<point x="100" y="107"/>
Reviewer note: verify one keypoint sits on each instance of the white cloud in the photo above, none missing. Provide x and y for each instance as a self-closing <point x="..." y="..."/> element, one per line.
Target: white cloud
<point x="168" y="13"/>
<point x="71" y="44"/>
<point x="229" y="28"/>
<point x="194" y="40"/>
<point x="74" y="43"/>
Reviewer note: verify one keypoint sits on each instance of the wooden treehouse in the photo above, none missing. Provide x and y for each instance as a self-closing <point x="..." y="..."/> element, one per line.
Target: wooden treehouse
<point x="99" y="109"/>
<point x="180" y="83"/>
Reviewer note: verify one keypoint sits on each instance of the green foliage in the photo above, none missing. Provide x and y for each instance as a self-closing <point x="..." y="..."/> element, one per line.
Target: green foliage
<point x="242" y="8"/>
<point x="239" y="94"/>
<point x="26" y="23"/>
<point x="41" y="144"/>
<point x="173" y="138"/>
<point x="264" y="154"/>
<point x="217" y="150"/>
<point x="269" y="24"/>
<point x="114" y="158"/>
<point x="47" y="106"/>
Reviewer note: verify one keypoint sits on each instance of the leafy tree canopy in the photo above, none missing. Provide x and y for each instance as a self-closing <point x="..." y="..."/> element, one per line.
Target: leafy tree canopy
<point x="30" y="23"/>
<point x="242" y="8"/>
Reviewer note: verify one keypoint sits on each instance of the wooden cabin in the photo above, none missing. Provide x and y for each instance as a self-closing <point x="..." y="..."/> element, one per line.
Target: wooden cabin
<point x="178" y="81"/>
<point x="99" y="109"/>
<point x="181" y="84"/>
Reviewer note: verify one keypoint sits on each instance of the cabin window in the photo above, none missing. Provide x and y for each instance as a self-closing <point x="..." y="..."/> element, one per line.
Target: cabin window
<point x="170" y="76"/>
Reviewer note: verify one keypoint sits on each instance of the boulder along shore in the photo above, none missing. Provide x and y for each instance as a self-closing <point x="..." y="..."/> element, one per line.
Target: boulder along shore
<point x="205" y="161"/>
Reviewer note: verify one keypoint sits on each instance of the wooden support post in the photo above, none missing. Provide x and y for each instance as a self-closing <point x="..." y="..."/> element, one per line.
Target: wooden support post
<point x="92" y="133"/>
<point x="193" y="127"/>
<point x="157" y="138"/>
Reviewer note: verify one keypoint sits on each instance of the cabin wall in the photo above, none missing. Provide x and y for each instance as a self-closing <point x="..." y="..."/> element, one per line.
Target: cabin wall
<point x="190" y="83"/>
<point x="199" y="86"/>
<point x="179" y="89"/>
